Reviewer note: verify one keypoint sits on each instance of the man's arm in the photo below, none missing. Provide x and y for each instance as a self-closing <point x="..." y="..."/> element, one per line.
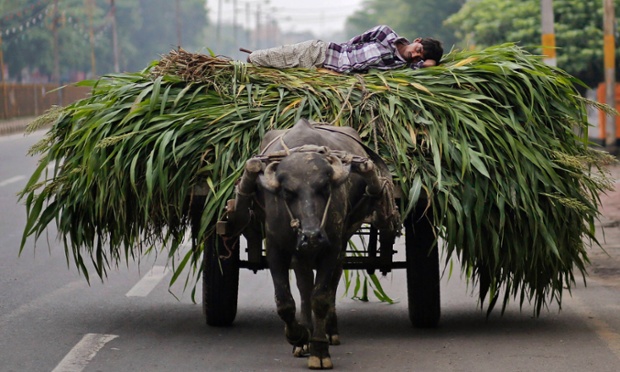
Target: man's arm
<point x="375" y="34"/>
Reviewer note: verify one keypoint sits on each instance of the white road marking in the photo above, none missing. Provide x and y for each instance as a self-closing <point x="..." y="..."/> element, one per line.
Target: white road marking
<point x="83" y="352"/>
<point x="148" y="282"/>
<point x="11" y="180"/>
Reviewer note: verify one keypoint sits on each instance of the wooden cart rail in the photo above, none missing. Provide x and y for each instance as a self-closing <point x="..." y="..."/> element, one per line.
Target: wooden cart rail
<point x="221" y="274"/>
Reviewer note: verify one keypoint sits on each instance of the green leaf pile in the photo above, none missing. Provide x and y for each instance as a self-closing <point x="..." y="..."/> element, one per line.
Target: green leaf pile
<point x="493" y="141"/>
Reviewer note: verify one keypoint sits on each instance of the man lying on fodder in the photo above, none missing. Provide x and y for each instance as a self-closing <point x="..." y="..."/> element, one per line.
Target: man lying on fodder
<point x="379" y="48"/>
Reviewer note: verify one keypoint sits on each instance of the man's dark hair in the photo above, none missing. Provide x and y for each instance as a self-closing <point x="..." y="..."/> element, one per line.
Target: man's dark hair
<point x="432" y="49"/>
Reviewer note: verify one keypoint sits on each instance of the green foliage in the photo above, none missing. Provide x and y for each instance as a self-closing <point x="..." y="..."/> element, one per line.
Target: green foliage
<point x="145" y="29"/>
<point x="409" y="18"/>
<point x="488" y="138"/>
<point x="578" y="30"/>
<point x="490" y="22"/>
<point x="155" y="30"/>
<point x="361" y="281"/>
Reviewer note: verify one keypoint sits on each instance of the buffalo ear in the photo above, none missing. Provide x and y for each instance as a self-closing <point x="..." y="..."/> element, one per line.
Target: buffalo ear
<point x="268" y="179"/>
<point x="341" y="171"/>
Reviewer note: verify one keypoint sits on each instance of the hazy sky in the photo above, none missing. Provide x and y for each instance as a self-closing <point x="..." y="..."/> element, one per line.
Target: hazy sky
<point x="320" y="16"/>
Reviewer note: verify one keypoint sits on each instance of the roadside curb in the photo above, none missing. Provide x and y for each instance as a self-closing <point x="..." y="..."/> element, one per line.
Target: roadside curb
<point x="14" y="126"/>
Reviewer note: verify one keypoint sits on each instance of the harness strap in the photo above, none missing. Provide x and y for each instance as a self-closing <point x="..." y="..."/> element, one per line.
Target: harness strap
<point x="286" y="149"/>
<point x="372" y="155"/>
<point x="343" y="155"/>
<point x="278" y="138"/>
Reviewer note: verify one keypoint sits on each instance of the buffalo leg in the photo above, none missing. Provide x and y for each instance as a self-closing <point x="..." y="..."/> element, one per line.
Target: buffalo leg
<point x="305" y="280"/>
<point x="321" y="303"/>
<point x="332" y="319"/>
<point x="296" y="334"/>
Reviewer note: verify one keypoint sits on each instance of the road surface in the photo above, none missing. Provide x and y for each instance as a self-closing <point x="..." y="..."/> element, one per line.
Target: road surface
<point x="51" y="319"/>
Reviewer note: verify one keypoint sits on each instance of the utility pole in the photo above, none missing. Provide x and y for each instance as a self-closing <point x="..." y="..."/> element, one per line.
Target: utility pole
<point x="235" y="22"/>
<point x="56" y="53"/>
<point x="609" y="20"/>
<point x="91" y="35"/>
<point x="56" y="67"/>
<point x="4" y="92"/>
<point x="178" y="22"/>
<point x="218" y="30"/>
<point x="247" y="25"/>
<point x="114" y="36"/>
<point x="548" y="34"/>
<point x="257" y="32"/>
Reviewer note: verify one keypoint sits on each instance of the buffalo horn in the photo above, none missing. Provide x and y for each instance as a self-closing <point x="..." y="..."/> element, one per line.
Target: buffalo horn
<point x="268" y="180"/>
<point x="341" y="171"/>
<point x="368" y="171"/>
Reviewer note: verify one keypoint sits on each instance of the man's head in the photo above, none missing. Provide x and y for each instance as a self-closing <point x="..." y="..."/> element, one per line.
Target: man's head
<point x="432" y="49"/>
<point x="427" y="49"/>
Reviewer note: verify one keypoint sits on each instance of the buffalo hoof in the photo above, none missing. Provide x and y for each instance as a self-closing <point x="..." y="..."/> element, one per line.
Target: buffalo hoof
<point x="297" y="335"/>
<point x="301" y="351"/>
<point x="334" y="339"/>
<point x="315" y="362"/>
<point x="319" y="355"/>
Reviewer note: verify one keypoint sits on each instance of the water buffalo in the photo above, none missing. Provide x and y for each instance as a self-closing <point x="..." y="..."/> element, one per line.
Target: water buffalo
<point x="314" y="186"/>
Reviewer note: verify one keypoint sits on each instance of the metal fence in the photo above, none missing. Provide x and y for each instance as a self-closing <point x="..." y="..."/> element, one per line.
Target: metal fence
<point x="23" y="100"/>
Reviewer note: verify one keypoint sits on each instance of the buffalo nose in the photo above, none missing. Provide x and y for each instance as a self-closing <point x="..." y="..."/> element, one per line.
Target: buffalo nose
<point x="310" y="235"/>
<point x="311" y="238"/>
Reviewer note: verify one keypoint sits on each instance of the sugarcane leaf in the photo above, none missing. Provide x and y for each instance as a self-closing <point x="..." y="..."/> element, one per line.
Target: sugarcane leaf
<point x="489" y="141"/>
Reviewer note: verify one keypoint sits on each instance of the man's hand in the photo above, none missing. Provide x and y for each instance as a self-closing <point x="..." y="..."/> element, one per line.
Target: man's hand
<point x="429" y="63"/>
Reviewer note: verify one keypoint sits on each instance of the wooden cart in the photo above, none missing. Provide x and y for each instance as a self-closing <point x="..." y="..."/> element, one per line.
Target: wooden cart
<point x="221" y="271"/>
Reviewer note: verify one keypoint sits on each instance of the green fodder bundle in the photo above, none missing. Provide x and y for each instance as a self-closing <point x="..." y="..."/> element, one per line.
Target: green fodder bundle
<point x="493" y="141"/>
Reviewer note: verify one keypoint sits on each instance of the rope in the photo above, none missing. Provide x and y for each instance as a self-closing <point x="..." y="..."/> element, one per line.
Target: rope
<point x="272" y="142"/>
<point x="286" y="149"/>
<point x="329" y="201"/>
<point x="295" y="225"/>
<point x="229" y="250"/>
<point x="279" y="155"/>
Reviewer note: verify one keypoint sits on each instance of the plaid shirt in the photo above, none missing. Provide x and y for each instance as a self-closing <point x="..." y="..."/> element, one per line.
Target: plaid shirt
<point x="375" y="48"/>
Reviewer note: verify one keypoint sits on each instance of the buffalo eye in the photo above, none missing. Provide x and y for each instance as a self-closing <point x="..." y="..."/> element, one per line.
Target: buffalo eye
<point x="324" y="190"/>
<point x="288" y="195"/>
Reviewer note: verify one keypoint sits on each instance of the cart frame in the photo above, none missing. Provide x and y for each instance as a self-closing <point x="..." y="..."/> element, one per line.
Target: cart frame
<point x="221" y="271"/>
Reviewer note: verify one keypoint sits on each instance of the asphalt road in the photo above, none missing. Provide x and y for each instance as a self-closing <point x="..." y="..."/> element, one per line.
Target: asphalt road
<point x="51" y="319"/>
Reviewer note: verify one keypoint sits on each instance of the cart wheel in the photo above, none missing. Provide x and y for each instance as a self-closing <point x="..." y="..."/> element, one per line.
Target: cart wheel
<point x="422" y="271"/>
<point x="220" y="282"/>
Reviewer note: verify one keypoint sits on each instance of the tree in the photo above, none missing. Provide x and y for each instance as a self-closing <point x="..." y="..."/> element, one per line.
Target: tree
<point x="409" y="18"/>
<point x="146" y="30"/>
<point x="155" y="32"/>
<point x="578" y="30"/>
